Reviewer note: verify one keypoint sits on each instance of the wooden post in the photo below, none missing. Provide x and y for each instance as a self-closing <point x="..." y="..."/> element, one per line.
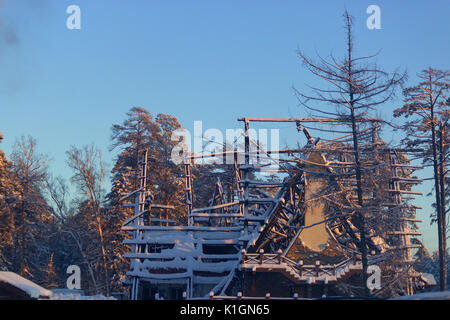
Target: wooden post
<point x="188" y="190"/>
<point x="253" y="288"/>
<point x="317" y="268"/>
<point x="261" y="256"/>
<point x="334" y="270"/>
<point x="167" y="217"/>
<point x="355" y="258"/>
<point x="279" y="252"/>
<point x="243" y="252"/>
<point x="300" y="267"/>
<point x="246" y="173"/>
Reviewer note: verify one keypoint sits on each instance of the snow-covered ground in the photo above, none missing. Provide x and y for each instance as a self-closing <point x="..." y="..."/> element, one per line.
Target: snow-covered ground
<point x="441" y="295"/>
<point x="71" y="294"/>
<point x="74" y="296"/>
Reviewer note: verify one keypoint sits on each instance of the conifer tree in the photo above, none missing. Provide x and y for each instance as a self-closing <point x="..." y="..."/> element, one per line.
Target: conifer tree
<point x="427" y="112"/>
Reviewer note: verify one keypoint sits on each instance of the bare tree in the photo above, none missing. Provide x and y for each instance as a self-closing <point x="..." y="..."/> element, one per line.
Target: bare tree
<point x="355" y="88"/>
<point x="58" y="192"/>
<point x="88" y="169"/>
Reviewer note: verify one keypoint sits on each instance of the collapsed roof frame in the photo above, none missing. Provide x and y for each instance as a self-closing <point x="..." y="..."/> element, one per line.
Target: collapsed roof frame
<point x="253" y="223"/>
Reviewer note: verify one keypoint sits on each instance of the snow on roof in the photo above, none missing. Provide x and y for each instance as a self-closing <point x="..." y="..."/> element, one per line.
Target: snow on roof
<point x="31" y="288"/>
<point x="428" y="278"/>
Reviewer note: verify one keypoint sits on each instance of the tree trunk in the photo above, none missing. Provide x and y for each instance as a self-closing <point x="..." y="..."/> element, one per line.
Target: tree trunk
<point x="102" y="246"/>
<point x="23" y="231"/>
<point x="438" y="199"/>
<point x="443" y="231"/>
<point x="88" y="265"/>
<point x="360" y="214"/>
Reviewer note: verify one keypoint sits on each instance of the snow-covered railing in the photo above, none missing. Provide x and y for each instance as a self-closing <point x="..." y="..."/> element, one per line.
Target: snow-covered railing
<point x="239" y="296"/>
<point x="274" y="262"/>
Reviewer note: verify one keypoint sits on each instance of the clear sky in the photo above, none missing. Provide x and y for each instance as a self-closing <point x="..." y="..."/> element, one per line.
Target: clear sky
<point x="210" y="60"/>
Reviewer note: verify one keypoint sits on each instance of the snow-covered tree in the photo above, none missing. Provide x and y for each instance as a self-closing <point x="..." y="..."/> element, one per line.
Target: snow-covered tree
<point x="8" y="188"/>
<point x="427" y="113"/>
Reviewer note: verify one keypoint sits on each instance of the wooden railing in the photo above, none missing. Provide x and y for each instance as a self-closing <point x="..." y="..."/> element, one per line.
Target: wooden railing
<point x="316" y="270"/>
<point x="239" y="296"/>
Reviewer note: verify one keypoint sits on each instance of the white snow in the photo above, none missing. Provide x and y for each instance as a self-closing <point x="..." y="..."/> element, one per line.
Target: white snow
<point x="36" y="291"/>
<point x="75" y="296"/>
<point x="72" y="294"/>
<point x="31" y="288"/>
<point x="429" y="279"/>
<point x="440" y="295"/>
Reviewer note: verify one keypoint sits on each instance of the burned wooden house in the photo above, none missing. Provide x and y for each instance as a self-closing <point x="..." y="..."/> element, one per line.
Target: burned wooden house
<point x="296" y="235"/>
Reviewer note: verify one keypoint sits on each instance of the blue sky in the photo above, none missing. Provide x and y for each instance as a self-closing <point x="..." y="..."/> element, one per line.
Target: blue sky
<point x="197" y="60"/>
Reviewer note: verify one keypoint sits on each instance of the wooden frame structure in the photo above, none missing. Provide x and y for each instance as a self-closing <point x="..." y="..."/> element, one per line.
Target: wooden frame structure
<point x="257" y="231"/>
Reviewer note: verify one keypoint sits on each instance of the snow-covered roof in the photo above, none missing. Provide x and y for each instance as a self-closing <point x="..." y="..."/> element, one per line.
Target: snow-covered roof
<point x="29" y="287"/>
<point x="428" y="278"/>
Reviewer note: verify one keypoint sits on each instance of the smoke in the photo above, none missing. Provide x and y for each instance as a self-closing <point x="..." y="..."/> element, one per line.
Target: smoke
<point x="21" y="17"/>
<point x="8" y="30"/>
<point x="8" y="33"/>
<point x="21" y="23"/>
<point x="11" y="79"/>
